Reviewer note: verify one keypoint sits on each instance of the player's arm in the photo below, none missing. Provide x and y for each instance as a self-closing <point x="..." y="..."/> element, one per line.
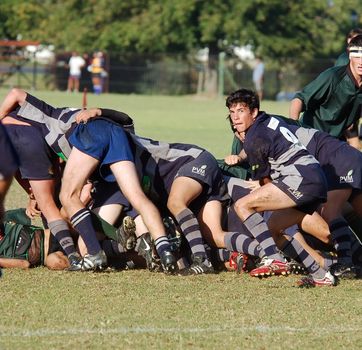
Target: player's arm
<point x="295" y="109"/>
<point x="14" y="98"/>
<point x="111" y="114"/>
<point x="235" y="159"/>
<point x="12" y="263"/>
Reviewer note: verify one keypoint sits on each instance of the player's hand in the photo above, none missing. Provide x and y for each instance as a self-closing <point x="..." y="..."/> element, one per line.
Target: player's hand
<point x="84" y="115"/>
<point x="232" y="159"/>
<point x="253" y="185"/>
<point x="32" y="210"/>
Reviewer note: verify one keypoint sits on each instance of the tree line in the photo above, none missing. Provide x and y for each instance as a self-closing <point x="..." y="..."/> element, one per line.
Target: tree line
<point x="274" y="28"/>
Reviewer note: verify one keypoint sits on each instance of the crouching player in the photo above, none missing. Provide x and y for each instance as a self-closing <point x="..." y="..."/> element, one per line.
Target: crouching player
<point x="292" y="178"/>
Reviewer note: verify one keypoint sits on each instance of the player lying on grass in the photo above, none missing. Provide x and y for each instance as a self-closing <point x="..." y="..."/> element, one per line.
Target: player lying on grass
<point x="100" y="142"/>
<point x="291" y="177"/>
<point x="24" y="245"/>
<point x="8" y="165"/>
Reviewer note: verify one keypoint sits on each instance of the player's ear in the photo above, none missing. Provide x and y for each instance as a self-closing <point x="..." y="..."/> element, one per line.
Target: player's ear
<point x="254" y="113"/>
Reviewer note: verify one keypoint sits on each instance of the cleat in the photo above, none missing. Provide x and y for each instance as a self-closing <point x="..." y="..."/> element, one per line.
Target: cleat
<point x="145" y="249"/>
<point x="168" y="262"/>
<point x="310" y="282"/>
<point x="296" y="268"/>
<point x="126" y="233"/>
<point x="198" y="267"/>
<point x="75" y="262"/>
<point x="242" y="262"/>
<point x="97" y="262"/>
<point x="343" y="271"/>
<point x="270" y="267"/>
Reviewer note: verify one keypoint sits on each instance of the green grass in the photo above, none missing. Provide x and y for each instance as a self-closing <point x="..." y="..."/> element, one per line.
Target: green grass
<point x="41" y="309"/>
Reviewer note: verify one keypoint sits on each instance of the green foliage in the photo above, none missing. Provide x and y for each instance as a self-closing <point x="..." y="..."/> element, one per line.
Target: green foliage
<point x="276" y="29"/>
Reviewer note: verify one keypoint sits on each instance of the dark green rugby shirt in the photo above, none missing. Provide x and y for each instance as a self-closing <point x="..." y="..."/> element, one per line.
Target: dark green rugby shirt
<point x="331" y="102"/>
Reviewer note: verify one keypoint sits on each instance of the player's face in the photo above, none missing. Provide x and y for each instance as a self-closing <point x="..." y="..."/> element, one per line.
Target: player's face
<point x="242" y="117"/>
<point x="356" y="66"/>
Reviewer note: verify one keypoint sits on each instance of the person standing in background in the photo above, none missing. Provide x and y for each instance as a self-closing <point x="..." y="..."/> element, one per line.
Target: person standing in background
<point x="98" y="72"/>
<point x="76" y="63"/>
<point x="258" y="76"/>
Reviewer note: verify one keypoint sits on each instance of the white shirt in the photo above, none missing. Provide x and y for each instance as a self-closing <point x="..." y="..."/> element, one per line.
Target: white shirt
<point x="75" y="65"/>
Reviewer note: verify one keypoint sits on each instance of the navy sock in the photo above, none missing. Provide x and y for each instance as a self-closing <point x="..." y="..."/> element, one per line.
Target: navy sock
<point x="60" y="230"/>
<point x="162" y="244"/>
<point x="341" y="237"/>
<point x="82" y="222"/>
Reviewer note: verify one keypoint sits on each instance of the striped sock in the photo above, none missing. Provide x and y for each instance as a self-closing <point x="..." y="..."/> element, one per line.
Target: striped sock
<point x="242" y="243"/>
<point x="341" y="238"/>
<point x="259" y="229"/>
<point x="295" y="250"/>
<point x="60" y="230"/>
<point x="82" y="222"/>
<point x="328" y="262"/>
<point x="191" y="230"/>
<point x="221" y="254"/>
<point x="162" y="244"/>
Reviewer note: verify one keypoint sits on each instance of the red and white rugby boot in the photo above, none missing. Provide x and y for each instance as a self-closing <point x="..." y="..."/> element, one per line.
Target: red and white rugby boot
<point x="270" y="267"/>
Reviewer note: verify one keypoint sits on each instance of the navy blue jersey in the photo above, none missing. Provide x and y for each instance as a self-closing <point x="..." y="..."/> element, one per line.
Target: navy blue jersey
<point x="274" y="151"/>
<point x="8" y="157"/>
<point x="341" y="163"/>
<point x="159" y="163"/>
<point x="56" y="124"/>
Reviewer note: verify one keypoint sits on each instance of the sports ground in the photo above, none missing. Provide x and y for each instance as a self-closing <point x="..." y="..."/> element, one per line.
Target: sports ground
<point x="136" y="309"/>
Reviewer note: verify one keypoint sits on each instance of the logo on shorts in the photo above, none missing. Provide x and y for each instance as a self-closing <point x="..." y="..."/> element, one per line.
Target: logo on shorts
<point x="199" y="171"/>
<point x="295" y="193"/>
<point x="346" y="179"/>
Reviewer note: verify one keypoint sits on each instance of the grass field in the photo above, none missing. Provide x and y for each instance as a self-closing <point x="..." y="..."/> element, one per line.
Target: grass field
<point x="41" y="309"/>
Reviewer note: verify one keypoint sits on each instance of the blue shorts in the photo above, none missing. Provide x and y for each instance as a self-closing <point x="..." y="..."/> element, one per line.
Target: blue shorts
<point x="8" y="157"/>
<point x="104" y="141"/>
<point x="36" y="158"/>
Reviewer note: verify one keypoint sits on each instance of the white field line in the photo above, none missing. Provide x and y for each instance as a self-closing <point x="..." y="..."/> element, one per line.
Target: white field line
<point x="46" y="332"/>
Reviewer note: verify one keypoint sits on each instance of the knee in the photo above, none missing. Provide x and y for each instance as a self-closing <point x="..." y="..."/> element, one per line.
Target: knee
<point x="242" y="209"/>
<point x="174" y="205"/>
<point x="67" y="194"/>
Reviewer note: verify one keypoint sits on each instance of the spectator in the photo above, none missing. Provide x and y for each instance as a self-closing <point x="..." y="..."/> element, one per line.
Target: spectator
<point x="258" y="76"/>
<point x="76" y="63"/>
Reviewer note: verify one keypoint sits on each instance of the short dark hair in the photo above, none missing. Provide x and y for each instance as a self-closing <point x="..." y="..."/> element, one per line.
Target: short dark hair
<point x="354" y="32"/>
<point x="248" y="97"/>
<point x="356" y="41"/>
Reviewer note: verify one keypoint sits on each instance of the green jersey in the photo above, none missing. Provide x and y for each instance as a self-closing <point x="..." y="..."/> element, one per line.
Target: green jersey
<point x="331" y="102"/>
<point x="342" y="59"/>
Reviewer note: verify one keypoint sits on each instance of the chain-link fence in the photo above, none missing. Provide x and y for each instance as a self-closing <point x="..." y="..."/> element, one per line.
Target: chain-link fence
<point x="177" y="74"/>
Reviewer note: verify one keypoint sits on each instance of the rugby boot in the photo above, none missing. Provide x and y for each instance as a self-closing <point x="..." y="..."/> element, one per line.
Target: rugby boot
<point x="242" y="262"/>
<point x="270" y="267"/>
<point x="297" y="268"/>
<point x="199" y="267"/>
<point x="126" y="233"/>
<point x="168" y="262"/>
<point x="310" y="282"/>
<point x="146" y="250"/>
<point x="96" y="262"/>
<point x="343" y="271"/>
<point x="75" y="262"/>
